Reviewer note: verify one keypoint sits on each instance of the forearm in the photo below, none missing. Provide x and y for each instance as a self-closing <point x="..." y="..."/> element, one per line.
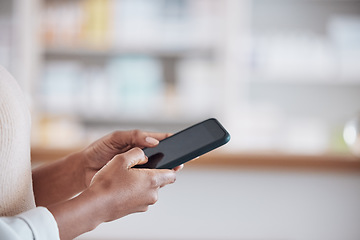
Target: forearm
<point x="78" y="215"/>
<point x="59" y="180"/>
<point x="115" y="191"/>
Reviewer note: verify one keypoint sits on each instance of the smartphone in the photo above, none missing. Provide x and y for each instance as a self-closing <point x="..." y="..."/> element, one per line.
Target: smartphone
<point x="186" y="145"/>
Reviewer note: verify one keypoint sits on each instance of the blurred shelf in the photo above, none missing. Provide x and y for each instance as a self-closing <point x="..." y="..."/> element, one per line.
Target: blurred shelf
<point x="153" y="122"/>
<point x="79" y="52"/>
<point x="220" y="159"/>
<point x="306" y="2"/>
<point x="307" y="81"/>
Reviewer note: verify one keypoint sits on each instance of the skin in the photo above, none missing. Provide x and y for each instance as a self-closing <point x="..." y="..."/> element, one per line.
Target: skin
<point x="103" y="175"/>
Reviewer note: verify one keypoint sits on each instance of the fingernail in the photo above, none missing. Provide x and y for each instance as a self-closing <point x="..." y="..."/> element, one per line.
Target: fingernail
<point x="152" y="140"/>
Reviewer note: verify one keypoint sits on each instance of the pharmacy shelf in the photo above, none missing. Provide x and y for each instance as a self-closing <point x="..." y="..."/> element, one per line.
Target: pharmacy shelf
<point x="54" y="52"/>
<point x="163" y="124"/>
<point x="240" y="21"/>
<point x="306" y="81"/>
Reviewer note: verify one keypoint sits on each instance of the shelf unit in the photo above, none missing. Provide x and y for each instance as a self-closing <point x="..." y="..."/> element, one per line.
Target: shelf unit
<point x="305" y="60"/>
<point x="259" y="90"/>
<point x="216" y="53"/>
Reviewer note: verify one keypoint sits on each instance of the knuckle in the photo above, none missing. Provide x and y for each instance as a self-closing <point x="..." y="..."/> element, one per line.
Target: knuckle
<point x="135" y="135"/>
<point x="153" y="199"/>
<point x="119" y="157"/>
<point x="154" y="181"/>
<point x="136" y="132"/>
<point x="138" y="151"/>
<point x="143" y="209"/>
<point x="115" y="134"/>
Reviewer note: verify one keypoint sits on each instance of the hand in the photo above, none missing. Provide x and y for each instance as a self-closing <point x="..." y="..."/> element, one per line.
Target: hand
<point x="116" y="190"/>
<point x="124" y="190"/>
<point x="103" y="150"/>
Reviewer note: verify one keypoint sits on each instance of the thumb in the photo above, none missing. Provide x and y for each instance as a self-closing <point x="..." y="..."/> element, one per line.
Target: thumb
<point x="133" y="157"/>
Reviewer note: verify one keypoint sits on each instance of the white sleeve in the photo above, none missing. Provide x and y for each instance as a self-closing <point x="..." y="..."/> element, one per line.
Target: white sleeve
<point x="35" y="224"/>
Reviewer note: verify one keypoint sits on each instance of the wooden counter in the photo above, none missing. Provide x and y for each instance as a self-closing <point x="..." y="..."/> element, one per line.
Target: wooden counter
<point x="217" y="159"/>
<point x="280" y="161"/>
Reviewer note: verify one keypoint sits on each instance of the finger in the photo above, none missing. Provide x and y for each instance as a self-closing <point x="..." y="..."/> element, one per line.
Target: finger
<point x="147" y="139"/>
<point x="165" y="177"/>
<point x="158" y="136"/>
<point x="178" y="168"/>
<point x="152" y="139"/>
<point x="136" y="138"/>
<point x="134" y="156"/>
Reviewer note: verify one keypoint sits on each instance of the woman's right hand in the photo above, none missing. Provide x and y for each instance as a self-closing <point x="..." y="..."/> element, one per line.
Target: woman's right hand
<point x="115" y="191"/>
<point x="123" y="190"/>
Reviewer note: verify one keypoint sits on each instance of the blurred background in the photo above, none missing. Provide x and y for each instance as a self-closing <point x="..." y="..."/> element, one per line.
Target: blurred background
<point x="283" y="76"/>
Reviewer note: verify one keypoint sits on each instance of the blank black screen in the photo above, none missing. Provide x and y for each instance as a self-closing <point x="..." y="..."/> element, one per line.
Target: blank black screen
<point x="184" y="143"/>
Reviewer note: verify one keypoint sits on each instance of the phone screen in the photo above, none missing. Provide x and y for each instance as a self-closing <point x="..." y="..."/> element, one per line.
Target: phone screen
<point x="186" y="145"/>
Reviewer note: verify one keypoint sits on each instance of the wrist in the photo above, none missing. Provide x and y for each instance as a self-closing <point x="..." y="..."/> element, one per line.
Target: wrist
<point x="77" y="164"/>
<point x="102" y="202"/>
<point x="83" y="166"/>
<point x="96" y="207"/>
<point x="60" y="180"/>
<point x="78" y="215"/>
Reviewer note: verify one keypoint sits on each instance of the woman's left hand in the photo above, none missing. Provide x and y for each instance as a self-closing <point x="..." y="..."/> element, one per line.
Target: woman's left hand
<point x="103" y="150"/>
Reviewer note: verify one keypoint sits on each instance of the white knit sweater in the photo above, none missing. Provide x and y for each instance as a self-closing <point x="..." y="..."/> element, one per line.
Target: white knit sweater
<point x="16" y="193"/>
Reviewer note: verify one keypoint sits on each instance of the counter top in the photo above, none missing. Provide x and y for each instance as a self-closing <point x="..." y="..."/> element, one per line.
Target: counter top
<point x="240" y="160"/>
